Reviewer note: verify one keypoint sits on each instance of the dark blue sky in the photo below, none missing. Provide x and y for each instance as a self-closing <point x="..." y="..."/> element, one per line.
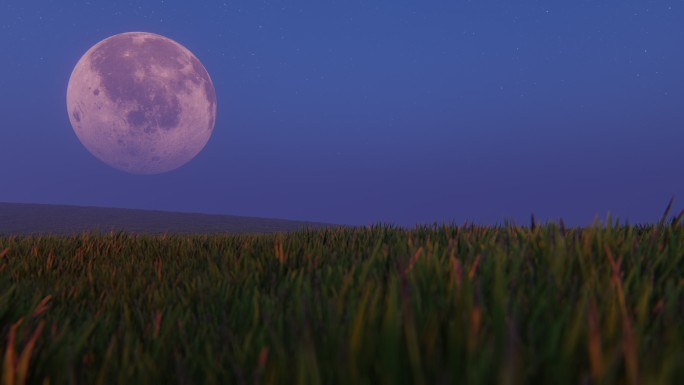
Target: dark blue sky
<point x="363" y="111"/>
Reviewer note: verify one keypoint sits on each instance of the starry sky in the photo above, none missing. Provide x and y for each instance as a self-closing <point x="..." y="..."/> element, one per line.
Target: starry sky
<point x="359" y="112"/>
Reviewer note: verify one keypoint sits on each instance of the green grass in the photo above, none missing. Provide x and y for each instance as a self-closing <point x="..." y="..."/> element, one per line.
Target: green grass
<point x="377" y="305"/>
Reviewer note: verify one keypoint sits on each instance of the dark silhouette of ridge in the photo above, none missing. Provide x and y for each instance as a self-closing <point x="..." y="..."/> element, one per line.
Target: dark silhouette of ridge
<point x="43" y="219"/>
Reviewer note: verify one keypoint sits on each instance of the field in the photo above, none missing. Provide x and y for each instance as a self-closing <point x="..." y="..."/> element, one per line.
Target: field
<point x="375" y="305"/>
<point x="42" y="219"/>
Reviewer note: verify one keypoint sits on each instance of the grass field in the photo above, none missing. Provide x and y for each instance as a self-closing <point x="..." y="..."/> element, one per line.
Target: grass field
<point x="377" y="305"/>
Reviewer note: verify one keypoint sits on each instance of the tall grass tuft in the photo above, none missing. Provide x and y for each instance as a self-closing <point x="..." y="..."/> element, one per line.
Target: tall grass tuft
<point x="375" y="305"/>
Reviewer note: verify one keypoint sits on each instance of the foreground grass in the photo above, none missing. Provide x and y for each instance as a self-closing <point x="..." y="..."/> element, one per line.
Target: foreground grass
<point x="378" y="305"/>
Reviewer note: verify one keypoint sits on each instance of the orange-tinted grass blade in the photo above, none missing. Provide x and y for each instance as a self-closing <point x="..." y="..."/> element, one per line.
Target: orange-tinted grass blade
<point x="263" y="358"/>
<point x="261" y="365"/>
<point x="473" y="268"/>
<point x="157" y="323"/>
<point x="475" y="322"/>
<point x="414" y="259"/>
<point x="10" y="364"/>
<point x="42" y="306"/>
<point x="25" y="358"/>
<point x="279" y="252"/>
<point x="594" y="344"/>
<point x="457" y="270"/>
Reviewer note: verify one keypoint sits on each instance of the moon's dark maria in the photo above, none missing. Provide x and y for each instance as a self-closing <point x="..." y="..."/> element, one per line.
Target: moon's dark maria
<point x="141" y="103"/>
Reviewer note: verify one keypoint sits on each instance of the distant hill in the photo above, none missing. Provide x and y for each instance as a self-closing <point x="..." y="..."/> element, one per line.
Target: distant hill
<point x="25" y="219"/>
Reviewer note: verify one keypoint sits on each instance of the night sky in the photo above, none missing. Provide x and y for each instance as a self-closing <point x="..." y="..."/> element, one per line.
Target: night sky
<point x="358" y="112"/>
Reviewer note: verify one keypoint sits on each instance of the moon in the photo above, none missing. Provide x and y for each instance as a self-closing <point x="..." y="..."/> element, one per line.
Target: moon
<point x="141" y="103"/>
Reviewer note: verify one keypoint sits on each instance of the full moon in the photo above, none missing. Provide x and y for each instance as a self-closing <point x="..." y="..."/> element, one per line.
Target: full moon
<point x="141" y="103"/>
